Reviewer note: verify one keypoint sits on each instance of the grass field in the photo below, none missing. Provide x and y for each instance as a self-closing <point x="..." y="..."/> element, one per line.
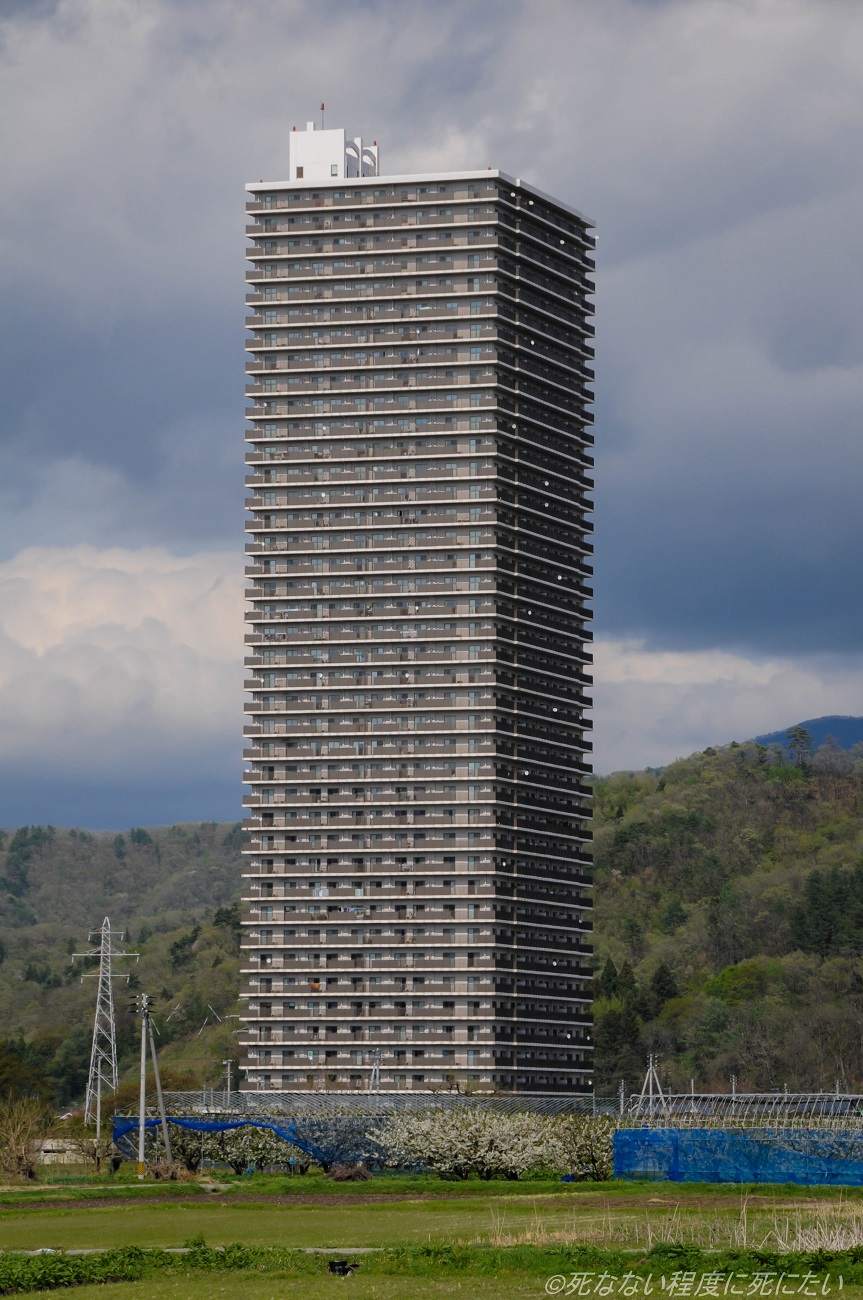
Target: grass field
<point x="611" y="1216"/>
<point x="380" y="1288"/>
<point x="522" y="1226"/>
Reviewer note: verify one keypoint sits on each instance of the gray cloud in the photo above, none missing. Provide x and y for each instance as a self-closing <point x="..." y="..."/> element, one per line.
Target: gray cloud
<point x="716" y="144"/>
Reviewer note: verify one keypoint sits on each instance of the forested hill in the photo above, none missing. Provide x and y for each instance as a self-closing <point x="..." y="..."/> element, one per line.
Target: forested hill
<point x="171" y="894"/>
<point x="730" y="920"/>
<point x="729" y="930"/>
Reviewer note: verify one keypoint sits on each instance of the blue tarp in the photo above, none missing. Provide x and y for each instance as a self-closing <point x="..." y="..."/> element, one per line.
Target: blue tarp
<point x="123" y="1125"/>
<point x="811" y="1157"/>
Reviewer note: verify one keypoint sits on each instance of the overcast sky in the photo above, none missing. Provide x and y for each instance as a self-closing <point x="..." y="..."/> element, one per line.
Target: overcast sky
<point x="717" y="144"/>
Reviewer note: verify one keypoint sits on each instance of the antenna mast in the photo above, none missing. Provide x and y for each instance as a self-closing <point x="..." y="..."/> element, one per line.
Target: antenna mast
<point x="103" y="1076"/>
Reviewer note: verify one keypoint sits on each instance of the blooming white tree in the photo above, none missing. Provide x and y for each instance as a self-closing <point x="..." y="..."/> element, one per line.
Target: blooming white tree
<point x="492" y="1144"/>
<point x="580" y="1145"/>
<point x="459" y="1143"/>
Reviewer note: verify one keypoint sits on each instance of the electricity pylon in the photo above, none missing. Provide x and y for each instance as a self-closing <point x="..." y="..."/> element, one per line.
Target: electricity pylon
<point x="103" y="1076"/>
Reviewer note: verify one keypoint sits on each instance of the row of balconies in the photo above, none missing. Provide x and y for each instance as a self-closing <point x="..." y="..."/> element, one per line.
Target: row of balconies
<point x="356" y="897"/>
<point x="373" y="254"/>
<point x="314" y="513"/>
<point x="392" y="605"/>
<point x="359" y="477"/>
<point x="261" y="986"/>
<point x="537" y="816"/>
<point x="479" y="333"/>
<point x="384" y="656"/>
<point x="377" y="526"/>
<point x="485" y="769"/>
<point x="370" y="476"/>
<point x="354" y="565"/>
<point x="313" y="275"/>
<point x="334" y="633"/>
<point x="346" y="943"/>
<point x="301" y="1058"/>
<point x="438" y="1041"/>
<point x="482" y="744"/>
<point x="335" y="288"/>
<point x="368" y="220"/>
<point x="307" y="593"/>
<point x="405" y="1026"/>
<point x="359" y="843"/>
<point x="388" y="609"/>
<point x="405" y="960"/>
<point x="352" y="466"/>
<point x="400" y="228"/>
<point x="297" y="200"/>
<point x="323" y="675"/>
<point x="483" y="936"/>
<point x="385" y="577"/>
<point x="378" y="796"/>
<point x="351" y="455"/>
<point x="262" y="912"/>
<point x="386" y="495"/>
<point x="345" y="382"/>
<point x="272" y="313"/>
<point x="268" y="409"/>
<point x="338" y="701"/>
<point x="388" y="928"/>
<point x="382" y="438"/>
<point x="340" y="301"/>
<point x="345" y="818"/>
<point x="378" y="843"/>
<point x="293" y="360"/>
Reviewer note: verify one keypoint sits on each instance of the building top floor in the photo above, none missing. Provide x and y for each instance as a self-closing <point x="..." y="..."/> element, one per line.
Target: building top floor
<point x="322" y="161"/>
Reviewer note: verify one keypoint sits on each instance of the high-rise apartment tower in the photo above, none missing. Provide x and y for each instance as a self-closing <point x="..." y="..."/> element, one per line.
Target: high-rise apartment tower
<point x="417" y="879"/>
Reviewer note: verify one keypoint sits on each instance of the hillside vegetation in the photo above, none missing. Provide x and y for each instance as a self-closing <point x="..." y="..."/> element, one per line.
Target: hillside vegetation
<point x="729" y="931"/>
<point x="171" y="894"/>
<point x="730" y="920"/>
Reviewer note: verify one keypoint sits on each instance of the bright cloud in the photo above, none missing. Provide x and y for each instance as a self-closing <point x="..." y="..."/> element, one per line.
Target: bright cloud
<point x="716" y="142"/>
<point x="132" y="658"/>
<point x="120" y="659"/>
<point x="652" y="706"/>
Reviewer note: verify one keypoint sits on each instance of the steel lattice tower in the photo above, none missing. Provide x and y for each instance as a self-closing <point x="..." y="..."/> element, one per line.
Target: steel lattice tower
<point x="103" y="1074"/>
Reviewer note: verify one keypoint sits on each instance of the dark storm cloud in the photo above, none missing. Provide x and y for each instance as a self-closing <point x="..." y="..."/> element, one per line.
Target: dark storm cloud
<point x="717" y="146"/>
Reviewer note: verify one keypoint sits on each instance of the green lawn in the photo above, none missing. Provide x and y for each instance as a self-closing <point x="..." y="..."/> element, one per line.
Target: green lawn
<point x="243" y="1287"/>
<point x="537" y="1219"/>
<point x="221" y="1222"/>
<point x="631" y="1218"/>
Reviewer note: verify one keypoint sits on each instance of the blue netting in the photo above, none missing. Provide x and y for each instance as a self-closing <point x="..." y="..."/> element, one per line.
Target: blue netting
<point x="740" y="1156"/>
<point x="124" y="1125"/>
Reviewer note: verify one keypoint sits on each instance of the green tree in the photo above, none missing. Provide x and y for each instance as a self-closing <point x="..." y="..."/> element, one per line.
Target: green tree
<point x="801" y="744"/>
<point x="663" y="985"/>
<point x="607" y="981"/>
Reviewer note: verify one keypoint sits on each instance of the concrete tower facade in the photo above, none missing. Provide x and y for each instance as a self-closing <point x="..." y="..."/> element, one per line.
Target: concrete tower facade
<point x="417" y="878"/>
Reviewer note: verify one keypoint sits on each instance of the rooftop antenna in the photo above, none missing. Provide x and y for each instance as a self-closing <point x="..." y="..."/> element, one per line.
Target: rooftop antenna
<point x="322" y="116"/>
<point x="103" y="1075"/>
